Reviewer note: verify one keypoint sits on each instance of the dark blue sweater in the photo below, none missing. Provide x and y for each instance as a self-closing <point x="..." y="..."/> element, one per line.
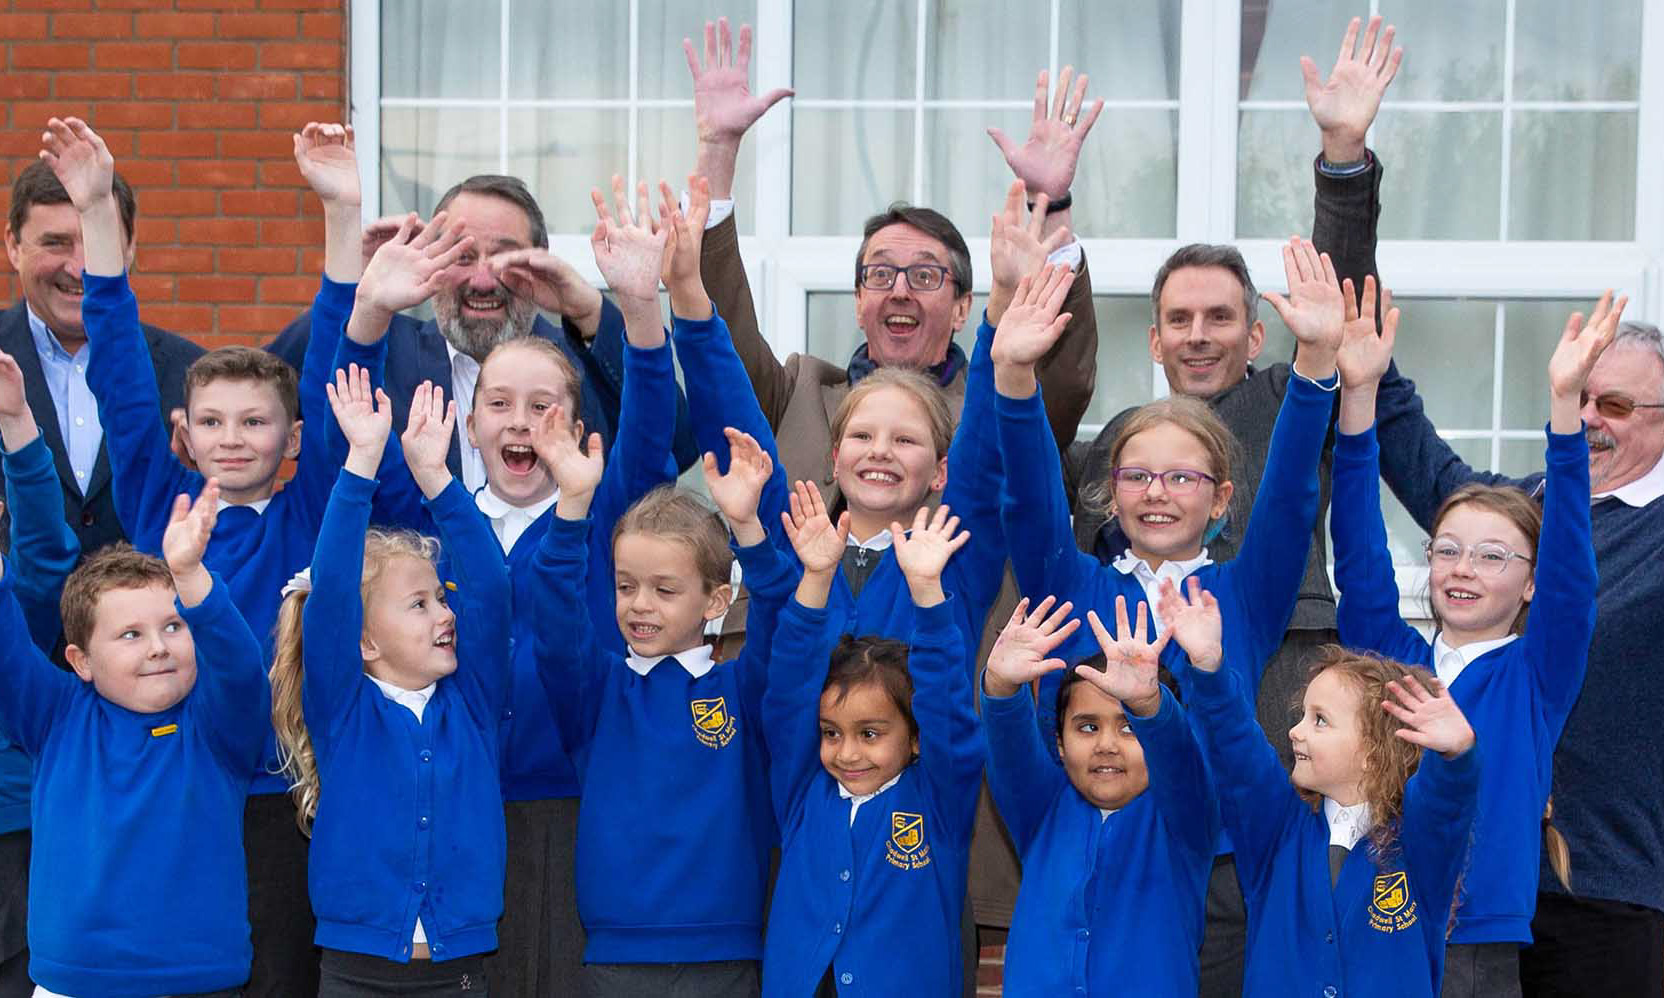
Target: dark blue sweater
<point x="136" y="883"/>
<point x="674" y="826"/>
<point x="536" y="765"/>
<point x="1104" y="901"/>
<point x="880" y="901"/>
<point x="410" y="814"/>
<point x="255" y="552"/>
<point x="1379" y="932"/>
<point x="1516" y="697"/>
<point x="1609" y="765"/>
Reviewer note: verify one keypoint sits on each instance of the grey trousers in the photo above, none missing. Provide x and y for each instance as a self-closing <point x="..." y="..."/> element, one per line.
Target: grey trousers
<point x="720" y="979"/>
<point x="1481" y="970"/>
<point x="540" y="942"/>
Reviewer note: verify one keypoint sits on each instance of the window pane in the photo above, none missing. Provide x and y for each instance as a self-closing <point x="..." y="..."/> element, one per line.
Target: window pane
<point x="963" y="180"/>
<point x="1455" y="50"/>
<point x="1522" y="457"/>
<point x="664" y="23"/>
<point x="436" y="48"/>
<point x="1274" y="189"/>
<point x="1442" y="172"/>
<point x="1573" y="175"/>
<point x="665" y="145"/>
<point x="573" y="49"/>
<point x="1276" y="35"/>
<point x="1569" y="51"/>
<point x="1124" y="365"/>
<point x="425" y="151"/>
<point x="561" y="155"/>
<point x="1129" y="48"/>
<point x="847" y="165"/>
<point x="1447" y="347"/>
<point x="1530" y="332"/>
<point x="855" y="50"/>
<point x="984" y="49"/>
<point x="1128" y="180"/>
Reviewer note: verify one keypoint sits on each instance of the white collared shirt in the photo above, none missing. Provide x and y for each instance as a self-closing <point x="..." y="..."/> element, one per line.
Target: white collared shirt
<point x="509" y="521"/>
<point x="856" y="800"/>
<point x="1105" y="812"/>
<point x="1347" y="823"/>
<point x="881" y="541"/>
<point x="1150" y="579"/>
<point x="696" y="661"/>
<point x="1640" y="492"/>
<point x="415" y="701"/>
<point x="465" y="375"/>
<point x="1449" y="662"/>
<point x="259" y="505"/>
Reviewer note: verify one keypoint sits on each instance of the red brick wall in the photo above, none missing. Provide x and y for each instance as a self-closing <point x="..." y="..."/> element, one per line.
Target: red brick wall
<point x="197" y="100"/>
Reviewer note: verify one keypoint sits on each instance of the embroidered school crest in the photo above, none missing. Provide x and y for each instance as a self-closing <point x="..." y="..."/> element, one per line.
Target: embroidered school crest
<point x="906" y="848"/>
<point x="1391" y="909"/>
<point x="712" y="724"/>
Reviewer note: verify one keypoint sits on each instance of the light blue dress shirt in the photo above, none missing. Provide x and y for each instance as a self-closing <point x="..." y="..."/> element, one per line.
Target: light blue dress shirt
<point x="66" y="379"/>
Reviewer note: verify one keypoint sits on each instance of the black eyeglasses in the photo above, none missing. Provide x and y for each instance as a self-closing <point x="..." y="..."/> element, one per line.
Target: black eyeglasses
<point x="1177" y="481"/>
<point x="920" y="276"/>
<point x="1615" y="405"/>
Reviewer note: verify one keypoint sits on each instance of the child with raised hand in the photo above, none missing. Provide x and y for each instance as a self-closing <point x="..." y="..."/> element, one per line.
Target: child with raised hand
<point x="875" y="823"/>
<point x="142" y="764"/>
<point x="1349" y="865"/>
<point x="664" y="730"/>
<point x="42" y="548"/>
<point x="1512" y="592"/>
<point x="387" y="691"/>
<point x="1117" y="844"/>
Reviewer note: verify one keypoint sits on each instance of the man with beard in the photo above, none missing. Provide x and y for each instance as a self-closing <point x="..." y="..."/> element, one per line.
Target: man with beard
<point x="495" y="294"/>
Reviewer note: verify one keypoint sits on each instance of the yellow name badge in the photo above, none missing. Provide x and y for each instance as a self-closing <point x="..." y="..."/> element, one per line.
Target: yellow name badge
<point x="166" y="729"/>
<point x="450" y="585"/>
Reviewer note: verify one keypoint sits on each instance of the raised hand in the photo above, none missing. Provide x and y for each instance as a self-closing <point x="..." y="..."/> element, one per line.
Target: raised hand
<point x="1021" y="654"/>
<point x="737" y="493"/>
<point x="190" y="525"/>
<point x="1046" y="162"/>
<point x="1029" y="328"/>
<point x="687" y="233"/>
<point x="1131" y="663"/>
<point x="1193" y="622"/>
<point x="923" y="552"/>
<point x="1315" y="309"/>
<point x="575" y="465"/>
<point x="629" y="247"/>
<point x="819" y="545"/>
<point x="1431" y="719"/>
<point x="1345" y="104"/>
<point x="554" y="285"/>
<point x="1364" y="352"/>
<point x="1582" y="344"/>
<point x="427" y="438"/>
<point x="1019" y="246"/>
<point x="723" y="104"/>
<point x="409" y="268"/>
<point x="80" y="160"/>
<point x="17" y="420"/>
<point x="327" y="159"/>
<point x="364" y="416"/>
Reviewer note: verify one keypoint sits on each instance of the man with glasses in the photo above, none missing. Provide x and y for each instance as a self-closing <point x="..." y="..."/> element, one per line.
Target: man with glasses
<point x="1604" y="932"/>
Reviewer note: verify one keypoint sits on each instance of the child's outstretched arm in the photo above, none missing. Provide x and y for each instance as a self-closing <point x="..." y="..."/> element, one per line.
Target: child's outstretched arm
<point x="482" y="596"/>
<point x="33" y="691"/>
<point x="630" y="252"/>
<point x="819" y="545"/>
<point x="145" y="476"/>
<point x="43" y="549"/>
<point x="1442" y="798"/>
<point x="1022" y="775"/>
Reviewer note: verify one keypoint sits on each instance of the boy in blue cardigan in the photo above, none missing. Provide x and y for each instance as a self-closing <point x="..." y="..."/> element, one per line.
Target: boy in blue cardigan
<point x="142" y="763"/>
<point x="1117" y="843"/>
<point x="876" y="813"/>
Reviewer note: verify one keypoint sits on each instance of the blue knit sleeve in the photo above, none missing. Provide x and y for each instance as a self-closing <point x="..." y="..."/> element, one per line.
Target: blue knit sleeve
<point x="1368" y="608"/>
<point x="1265" y="575"/>
<point x="323" y="449"/>
<point x="332" y="622"/>
<point x="570" y="663"/>
<point x="398" y="502"/>
<point x="1179" y="780"/>
<point x="770" y="577"/>
<point x="797" y="666"/>
<point x="231" y="694"/>
<point x="43" y="548"/>
<point x="1440" y="803"/>
<point x="33" y="691"/>
<point x="973" y="493"/>
<point x="1023" y="775"/>
<point x="640" y="460"/>
<point x="482" y="600"/>
<point x="1562" y="619"/>
<point x="1257" y="804"/>
<point x="144" y="475"/>
<point x="951" y="747"/>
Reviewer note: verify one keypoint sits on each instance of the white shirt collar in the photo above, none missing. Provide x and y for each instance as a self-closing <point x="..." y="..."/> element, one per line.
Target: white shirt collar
<point x="856" y="800"/>
<point x="1347" y="824"/>
<point x="465" y="376"/>
<point x="509" y="521"/>
<point x="1150" y="579"/>
<point x="881" y="541"/>
<point x="1640" y="492"/>
<point x="1105" y="812"/>
<point x="415" y="701"/>
<point x="259" y="505"/>
<point x="697" y="661"/>
<point x="1449" y="662"/>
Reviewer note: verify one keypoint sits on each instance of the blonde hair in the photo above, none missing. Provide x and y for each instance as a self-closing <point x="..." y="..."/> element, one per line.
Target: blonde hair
<point x="1191" y="415"/>
<point x="296" y="759"/>
<point x="573" y="391"/>
<point x="680" y="516"/>
<point x="924" y="391"/>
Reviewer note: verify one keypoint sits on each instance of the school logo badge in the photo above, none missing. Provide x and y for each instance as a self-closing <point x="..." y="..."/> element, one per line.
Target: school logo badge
<point x="712" y="724"/>
<point x="1391" y="909"/>
<point x="906" y="848"/>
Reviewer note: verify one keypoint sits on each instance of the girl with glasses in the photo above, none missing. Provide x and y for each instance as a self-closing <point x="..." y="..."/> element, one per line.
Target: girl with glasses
<point x="1513" y="655"/>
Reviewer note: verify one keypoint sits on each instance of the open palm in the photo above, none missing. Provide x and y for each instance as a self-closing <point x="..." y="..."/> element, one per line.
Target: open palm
<point x="819" y="545"/>
<point x="326" y="157"/>
<point x="1131" y="662"/>
<point x="1022" y="652"/>
<point x="629" y="247"/>
<point x="736" y="494"/>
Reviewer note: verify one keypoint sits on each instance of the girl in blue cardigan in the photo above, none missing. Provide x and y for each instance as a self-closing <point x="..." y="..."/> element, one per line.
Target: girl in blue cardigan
<point x="876" y="813"/>
<point x="387" y="690"/>
<point x="1117" y="843"/>
<point x="1512" y="591"/>
<point x="1350" y="872"/>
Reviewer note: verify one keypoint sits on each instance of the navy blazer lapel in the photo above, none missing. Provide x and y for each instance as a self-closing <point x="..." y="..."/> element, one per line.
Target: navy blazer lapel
<point x="434" y="364"/>
<point x="16" y="340"/>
